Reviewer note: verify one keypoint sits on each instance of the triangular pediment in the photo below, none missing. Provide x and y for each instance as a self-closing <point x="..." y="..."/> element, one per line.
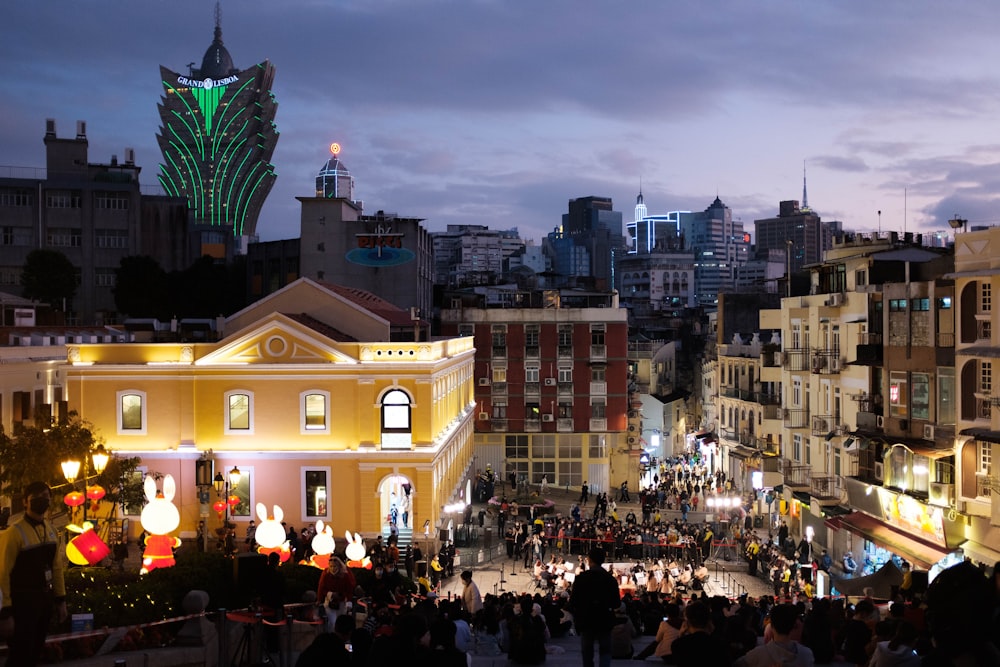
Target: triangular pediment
<point x="276" y="339"/>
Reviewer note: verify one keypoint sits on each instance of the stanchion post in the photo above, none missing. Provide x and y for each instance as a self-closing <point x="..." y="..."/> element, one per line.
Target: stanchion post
<point x="258" y="622"/>
<point x="223" y="638"/>
<point x="287" y="659"/>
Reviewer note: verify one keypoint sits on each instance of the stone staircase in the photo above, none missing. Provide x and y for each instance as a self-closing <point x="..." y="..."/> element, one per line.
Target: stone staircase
<point x="405" y="538"/>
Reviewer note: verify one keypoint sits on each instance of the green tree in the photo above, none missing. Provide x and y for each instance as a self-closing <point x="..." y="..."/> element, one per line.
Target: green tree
<point x="50" y="277"/>
<point x="142" y="288"/>
<point x="36" y="452"/>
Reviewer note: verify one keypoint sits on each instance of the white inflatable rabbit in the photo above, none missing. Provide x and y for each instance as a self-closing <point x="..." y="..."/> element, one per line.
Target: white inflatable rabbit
<point x="323" y="545"/>
<point x="356" y="552"/>
<point x="159" y="518"/>
<point x="270" y="534"/>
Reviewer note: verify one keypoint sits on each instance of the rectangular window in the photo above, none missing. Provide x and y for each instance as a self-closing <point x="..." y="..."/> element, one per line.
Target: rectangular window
<point x="598" y="373"/>
<point x="111" y="238"/>
<point x="531" y="374"/>
<point x="239" y="412"/>
<point x="598" y="408"/>
<point x="566" y="375"/>
<point x="986" y="377"/>
<point x="516" y="447"/>
<point x="499" y="374"/>
<point x="921" y="304"/>
<point x="985" y="457"/>
<point x="315" y="412"/>
<point x="499" y="409"/>
<point x="466" y="330"/>
<point x="134" y="481"/>
<point x="598" y="446"/>
<point x="499" y="336"/>
<point x="898" y="394"/>
<point x="111" y="201"/>
<point x="316" y="493"/>
<point x="132" y="412"/>
<point x="64" y="237"/>
<point x="531" y="334"/>
<point x="62" y="199"/>
<point x="565" y="410"/>
<point x="570" y="474"/>
<point x="797" y="447"/>
<point x="944" y="303"/>
<point x="945" y="395"/>
<point x="545" y="469"/>
<point x="16" y="197"/>
<point x="244" y="494"/>
<point x="571" y="447"/>
<point x="104" y="277"/>
<point x="597" y="332"/>
<point x="920" y="395"/>
<point x="543" y="446"/>
<point x="986" y="297"/>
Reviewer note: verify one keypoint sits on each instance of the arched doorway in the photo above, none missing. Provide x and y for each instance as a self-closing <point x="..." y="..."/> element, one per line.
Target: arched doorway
<point x="396" y="492"/>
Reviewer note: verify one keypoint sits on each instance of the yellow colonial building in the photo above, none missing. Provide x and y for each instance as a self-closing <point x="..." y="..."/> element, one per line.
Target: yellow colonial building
<point x="307" y="396"/>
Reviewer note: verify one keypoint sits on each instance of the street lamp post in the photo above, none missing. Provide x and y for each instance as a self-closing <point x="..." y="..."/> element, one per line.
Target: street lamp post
<point x="223" y="486"/>
<point x="71" y="469"/>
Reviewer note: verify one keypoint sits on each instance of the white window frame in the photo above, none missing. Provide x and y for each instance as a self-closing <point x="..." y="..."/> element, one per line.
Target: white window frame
<point x="400" y="437"/>
<point x="306" y="516"/>
<point x="118" y="412"/>
<point x="142" y="471"/>
<point x="304" y="428"/>
<point x="227" y="415"/>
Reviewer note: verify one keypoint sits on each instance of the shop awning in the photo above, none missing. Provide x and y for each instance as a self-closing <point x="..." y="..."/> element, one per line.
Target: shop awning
<point x="984" y="434"/>
<point x="980" y="553"/>
<point x="909" y="548"/>
<point x="925" y="450"/>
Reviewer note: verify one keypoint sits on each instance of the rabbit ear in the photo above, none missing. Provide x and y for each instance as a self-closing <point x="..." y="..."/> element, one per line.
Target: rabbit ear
<point x="319" y="526"/>
<point x="149" y="486"/>
<point x="169" y="487"/>
<point x="278" y="514"/>
<point x="347" y="534"/>
<point x="261" y="512"/>
<point x="357" y="538"/>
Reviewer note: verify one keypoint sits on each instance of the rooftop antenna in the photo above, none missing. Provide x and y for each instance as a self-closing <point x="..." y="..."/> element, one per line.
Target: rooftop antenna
<point x="218" y="14"/>
<point x="904" y="210"/>
<point x="805" y="197"/>
<point x="880" y="222"/>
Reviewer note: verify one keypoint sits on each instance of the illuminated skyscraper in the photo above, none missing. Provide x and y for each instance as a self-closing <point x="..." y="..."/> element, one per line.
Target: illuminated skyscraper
<point x="217" y="138"/>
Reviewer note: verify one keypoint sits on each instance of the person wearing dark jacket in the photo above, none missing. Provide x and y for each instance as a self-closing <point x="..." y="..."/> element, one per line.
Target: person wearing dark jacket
<point x="695" y="645"/>
<point x="593" y="600"/>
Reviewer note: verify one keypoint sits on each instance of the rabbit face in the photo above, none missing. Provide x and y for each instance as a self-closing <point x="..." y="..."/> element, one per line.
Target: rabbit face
<point x="270" y="533"/>
<point x="355" y="547"/>
<point x="323" y="542"/>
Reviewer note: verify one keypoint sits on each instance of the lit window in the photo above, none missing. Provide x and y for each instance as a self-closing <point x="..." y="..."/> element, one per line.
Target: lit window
<point x="314" y="412"/>
<point x="239" y="413"/>
<point x="396" y="408"/>
<point x="315" y="494"/>
<point x="131" y="413"/>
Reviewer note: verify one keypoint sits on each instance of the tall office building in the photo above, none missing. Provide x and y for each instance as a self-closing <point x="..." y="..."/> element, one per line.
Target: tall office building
<point x="795" y="229"/>
<point x="589" y="242"/>
<point x="720" y="247"/>
<point x="217" y="138"/>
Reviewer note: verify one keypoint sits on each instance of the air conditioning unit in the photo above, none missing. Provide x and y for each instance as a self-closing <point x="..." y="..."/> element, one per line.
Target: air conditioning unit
<point x="484" y="382"/>
<point x="631" y="427"/>
<point x="941" y="494"/>
<point x="878" y="470"/>
<point x="548" y="418"/>
<point x="631" y="440"/>
<point x="928" y="431"/>
<point x="550" y="382"/>
<point x="632" y="414"/>
<point x="879" y="421"/>
<point x="836" y="299"/>
<point x="484" y="416"/>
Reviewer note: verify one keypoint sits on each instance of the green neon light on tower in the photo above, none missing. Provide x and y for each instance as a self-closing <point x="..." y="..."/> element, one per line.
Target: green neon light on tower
<point x="217" y="138"/>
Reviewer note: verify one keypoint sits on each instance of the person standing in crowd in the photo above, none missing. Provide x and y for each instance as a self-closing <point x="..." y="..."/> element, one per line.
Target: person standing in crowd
<point x="696" y="645"/>
<point x="32" y="578"/>
<point x="593" y="600"/>
<point x="335" y="589"/>
<point x="472" y="601"/>
<point x="584" y="494"/>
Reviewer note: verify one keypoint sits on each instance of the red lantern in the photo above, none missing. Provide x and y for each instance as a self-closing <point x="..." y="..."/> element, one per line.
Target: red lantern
<point x="73" y="499"/>
<point x="95" y="492"/>
<point x="234" y="501"/>
<point x="219" y="506"/>
<point x="87" y="548"/>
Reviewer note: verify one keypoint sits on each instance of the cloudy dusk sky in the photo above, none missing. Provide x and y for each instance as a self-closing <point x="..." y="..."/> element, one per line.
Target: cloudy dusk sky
<point x="498" y="112"/>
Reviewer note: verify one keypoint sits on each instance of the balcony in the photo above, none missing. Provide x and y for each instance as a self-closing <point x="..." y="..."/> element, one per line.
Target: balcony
<point x="770" y="358"/>
<point x="795" y="418"/>
<point x="825" y="362"/>
<point x="564" y="424"/>
<point x="532" y="388"/>
<point x="499" y="387"/>
<point x="499" y="351"/>
<point x="826" y="488"/>
<point x="797" y="475"/>
<point x="984" y="327"/>
<point x="984" y="487"/>
<point x="565" y="352"/>
<point x="598" y="424"/>
<point x="566" y="388"/>
<point x="498" y="425"/>
<point x="869" y="350"/>
<point x="984" y="408"/>
<point x="531" y="352"/>
<point x="598" y="388"/>
<point x="772" y="411"/>
<point x="945" y="339"/>
<point x="822" y="425"/>
<point x="796" y="359"/>
<point x="598" y="352"/>
<point x="532" y="425"/>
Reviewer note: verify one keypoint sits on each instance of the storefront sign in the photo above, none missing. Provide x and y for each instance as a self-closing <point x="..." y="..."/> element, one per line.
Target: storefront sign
<point x="912" y="516"/>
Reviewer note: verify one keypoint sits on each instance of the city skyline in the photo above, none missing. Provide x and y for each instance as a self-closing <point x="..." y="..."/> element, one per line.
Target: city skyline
<point x="500" y="113"/>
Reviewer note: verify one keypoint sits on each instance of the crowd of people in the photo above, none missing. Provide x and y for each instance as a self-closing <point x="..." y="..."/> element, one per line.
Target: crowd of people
<point x="957" y="622"/>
